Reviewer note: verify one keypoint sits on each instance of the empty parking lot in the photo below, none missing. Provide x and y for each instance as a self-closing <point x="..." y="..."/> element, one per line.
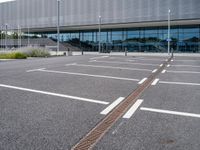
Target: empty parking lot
<point x="55" y="103"/>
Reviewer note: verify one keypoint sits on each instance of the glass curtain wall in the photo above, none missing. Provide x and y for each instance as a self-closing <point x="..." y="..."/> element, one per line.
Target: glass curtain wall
<point x="184" y="39"/>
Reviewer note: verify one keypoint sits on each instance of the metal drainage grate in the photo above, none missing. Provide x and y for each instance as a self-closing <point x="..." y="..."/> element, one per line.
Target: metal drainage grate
<point x="88" y="141"/>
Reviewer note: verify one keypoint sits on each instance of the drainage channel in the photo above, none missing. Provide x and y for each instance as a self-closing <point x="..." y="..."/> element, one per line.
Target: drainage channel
<point x="89" y="141"/>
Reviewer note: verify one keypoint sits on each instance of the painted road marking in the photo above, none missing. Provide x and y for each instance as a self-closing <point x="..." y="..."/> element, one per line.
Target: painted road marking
<point x="161" y="65"/>
<point x="112" y="106"/>
<point x="125" y="59"/>
<point x="145" y="59"/>
<point x="142" y="81"/>
<point x="163" y="71"/>
<point x="92" y="61"/>
<point x="55" y="94"/>
<point x="89" y="75"/>
<point x="179" y="83"/>
<point x="186" y="66"/>
<point x="187" y="60"/>
<point x="132" y="110"/>
<point x="155" y="82"/>
<point x="99" y="57"/>
<point x="69" y="64"/>
<point x="170" y="112"/>
<point x="109" y="67"/>
<point x="154" y="70"/>
<point x="33" y="70"/>
<point x="106" y="123"/>
<point x="189" y="72"/>
<point x="118" y="62"/>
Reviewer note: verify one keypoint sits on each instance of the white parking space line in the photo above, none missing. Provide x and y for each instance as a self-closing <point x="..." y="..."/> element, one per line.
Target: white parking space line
<point x="99" y="57"/>
<point x="112" y="106"/>
<point x="119" y="62"/>
<point x="146" y="59"/>
<point x="188" y="72"/>
<point x="35" y="70"/>
<point x="154" y="70"/>
<point x="109" y="67"/>
<point x="170" y="112"/>
<point x="186" y="66"/>
<point x="131" y="60"/>
<point x="124" y="58"/>
<point x="55" y="94"/>
<point x="89" y="75"/>
<point x="155" y="82"/>
<point x="92" y="61"/>
<point x="132" y="110"/>
<point x="142" y="81"/>
<point x="179" y="83"/>
<point x="187" y="60"/>
<point x="163" y="71"/>
<point x="70" y="64"/>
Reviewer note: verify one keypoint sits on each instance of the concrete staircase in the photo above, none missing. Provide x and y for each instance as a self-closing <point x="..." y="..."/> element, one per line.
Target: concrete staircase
<point x="41" y="42"/>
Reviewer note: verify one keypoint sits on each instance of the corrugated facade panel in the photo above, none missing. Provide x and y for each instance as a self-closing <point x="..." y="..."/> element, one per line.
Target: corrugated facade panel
<point x="43" y="13"/>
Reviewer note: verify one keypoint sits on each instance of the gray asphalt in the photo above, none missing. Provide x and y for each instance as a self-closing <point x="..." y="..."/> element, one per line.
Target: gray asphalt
<point x="150" y="130"/>
<point x="30" y="121"/>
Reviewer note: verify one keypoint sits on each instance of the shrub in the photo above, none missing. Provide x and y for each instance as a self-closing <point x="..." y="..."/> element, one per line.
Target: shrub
<point x="19" y="55"/>
<point x="13" y="55"/>
<point x="39" y="53"/>
<point x="35" y="52"/>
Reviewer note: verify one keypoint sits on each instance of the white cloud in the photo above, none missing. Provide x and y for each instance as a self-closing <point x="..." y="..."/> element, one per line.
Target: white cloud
<point x="3" y="1"/>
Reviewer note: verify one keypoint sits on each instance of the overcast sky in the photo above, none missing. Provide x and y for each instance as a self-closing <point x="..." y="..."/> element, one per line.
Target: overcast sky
<point x="2" y="1"/>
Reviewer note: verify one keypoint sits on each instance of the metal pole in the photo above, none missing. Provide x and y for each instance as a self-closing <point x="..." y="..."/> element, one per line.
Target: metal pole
<point x="28" y="37"/>
<point x="6" y="28"/>
<point x="1" y="37"/>
<point x="18" y="37"/>
<point x="125" y="51"/>
<point x="99" y="34"/>
<point x="58" y="27"/>
<point x="169" y="31"/>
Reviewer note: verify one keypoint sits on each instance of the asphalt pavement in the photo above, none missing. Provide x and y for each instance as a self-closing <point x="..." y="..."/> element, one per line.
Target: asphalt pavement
<point x="52" y="103"/>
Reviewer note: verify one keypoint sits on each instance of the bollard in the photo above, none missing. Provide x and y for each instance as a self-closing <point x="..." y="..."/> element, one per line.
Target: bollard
<point x="125" y="51"/>
<point x="172" y="53"/>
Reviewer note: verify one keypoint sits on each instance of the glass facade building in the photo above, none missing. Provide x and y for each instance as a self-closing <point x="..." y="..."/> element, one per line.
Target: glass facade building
<point x="135" y="25"/>
<point x="151" y="39"/>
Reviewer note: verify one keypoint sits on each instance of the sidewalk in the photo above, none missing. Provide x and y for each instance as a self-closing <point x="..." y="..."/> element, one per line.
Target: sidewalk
<point x="138" y="54"/>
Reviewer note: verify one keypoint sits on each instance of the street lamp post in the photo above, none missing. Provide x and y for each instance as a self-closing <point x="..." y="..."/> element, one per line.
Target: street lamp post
<point x="1" y="36"/>
<point x="169" y="11"/>
<point x="19" y="37"/>
<point x="58" y="26"/>
<point x="6" y="32"/>
<point x="99" y="34"/>
<point x="28" y="36"/>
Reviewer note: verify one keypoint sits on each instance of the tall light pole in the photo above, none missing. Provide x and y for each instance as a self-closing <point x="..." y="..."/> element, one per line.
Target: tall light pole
<point x="1" y="36"/>
<point x="28" y="36"/>
<point x="6" y="32"/>
<point x="19" y="37"/>
<point x="58" y="26"/>
<point x="99" y="34"/>
<point x="168" y="47"/>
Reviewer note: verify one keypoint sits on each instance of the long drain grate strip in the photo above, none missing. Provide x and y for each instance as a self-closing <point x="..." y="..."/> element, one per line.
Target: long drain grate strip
<point x="88" y="141"/>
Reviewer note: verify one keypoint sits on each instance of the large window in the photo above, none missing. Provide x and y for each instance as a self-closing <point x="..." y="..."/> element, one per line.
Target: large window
<point x="184" y="39"/>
